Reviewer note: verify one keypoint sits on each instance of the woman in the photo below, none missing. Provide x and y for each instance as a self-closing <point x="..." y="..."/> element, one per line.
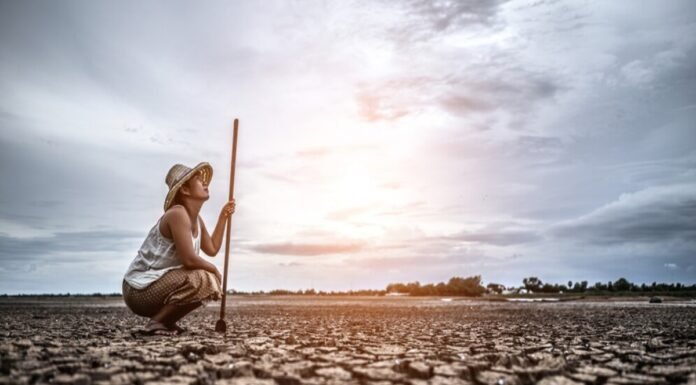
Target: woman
<point x="167" y="279"/>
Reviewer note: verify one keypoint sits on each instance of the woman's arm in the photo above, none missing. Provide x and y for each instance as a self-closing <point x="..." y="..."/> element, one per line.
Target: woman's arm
<point x="179" y="224"/>
<point x="210" y="244"/>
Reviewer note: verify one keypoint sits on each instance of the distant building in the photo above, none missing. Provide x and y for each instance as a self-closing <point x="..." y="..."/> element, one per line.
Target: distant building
<point x="516" y="291"/>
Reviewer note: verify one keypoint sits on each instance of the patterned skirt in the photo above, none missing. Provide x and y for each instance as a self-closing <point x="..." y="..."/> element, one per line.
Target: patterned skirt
<point x="176" y="287"/>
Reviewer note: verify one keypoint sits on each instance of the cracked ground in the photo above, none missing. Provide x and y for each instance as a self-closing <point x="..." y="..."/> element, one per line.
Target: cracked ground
<point x="292" y="341"/>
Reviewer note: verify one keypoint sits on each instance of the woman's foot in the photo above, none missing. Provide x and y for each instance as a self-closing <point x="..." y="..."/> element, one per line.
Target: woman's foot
<point x="178" y="329"/>
<point x="154" y="328"/>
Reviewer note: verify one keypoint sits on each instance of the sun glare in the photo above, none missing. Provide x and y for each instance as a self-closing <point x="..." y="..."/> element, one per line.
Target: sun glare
<point x="358" y="196"/>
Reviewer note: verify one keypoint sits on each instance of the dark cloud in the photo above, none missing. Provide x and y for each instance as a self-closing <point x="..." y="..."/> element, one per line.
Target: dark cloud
<point x="483" y="89"/>
<point x="464" y="104"/>
<point x="478" y="83"/>
<point x="654" y="172"/>
<point x="45" y="248"/>
<point x="422" y="20"/>
<point x="654" y="215"/>
<point x="307" y="249"/>
<point x="497" y="85"/>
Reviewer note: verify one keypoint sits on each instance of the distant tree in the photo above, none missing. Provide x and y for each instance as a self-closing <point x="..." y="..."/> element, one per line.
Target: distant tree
<point x="413" y="287"/>
<point x="470" y="286"/>
<point x="397" y="288"/>
<point x="583" y="286"/>
<point x="428" y="289"/>
<point x="495" y="288"/>
<point x="283" y="292"/>
<point x="570" y="284"/>
<point x="622" y="284"/>
<point x="549" y="288"/>
<point x="532" y="283"/>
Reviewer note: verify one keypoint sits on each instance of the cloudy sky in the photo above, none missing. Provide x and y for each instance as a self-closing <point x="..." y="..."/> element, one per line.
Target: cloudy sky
<point x="379" y="141"/>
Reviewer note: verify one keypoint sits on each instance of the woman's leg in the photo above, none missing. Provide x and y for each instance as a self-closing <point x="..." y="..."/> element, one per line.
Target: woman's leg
<point x="198" y="285"/>
<point x="170" y="314"/>
<point x="170" y="298"/>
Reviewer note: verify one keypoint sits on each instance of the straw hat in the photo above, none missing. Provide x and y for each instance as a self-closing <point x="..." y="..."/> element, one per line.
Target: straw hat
<point x="179" y="174"/>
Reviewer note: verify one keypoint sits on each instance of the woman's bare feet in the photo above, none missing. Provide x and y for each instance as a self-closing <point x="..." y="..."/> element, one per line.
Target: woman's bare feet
<point x="178" y="329"/>
<point x="159" y="329"/>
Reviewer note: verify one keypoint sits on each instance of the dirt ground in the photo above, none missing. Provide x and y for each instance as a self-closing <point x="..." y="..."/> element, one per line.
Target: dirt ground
<point x="290" y="341"/>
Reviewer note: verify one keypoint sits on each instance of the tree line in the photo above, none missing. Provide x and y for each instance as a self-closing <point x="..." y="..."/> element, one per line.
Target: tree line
<point x="535" y="285"/>
<point x="458" y="286"/>
<point x="472" y="287"/>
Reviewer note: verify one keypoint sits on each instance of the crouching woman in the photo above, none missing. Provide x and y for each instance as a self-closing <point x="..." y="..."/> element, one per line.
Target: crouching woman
<point x="168" y="279"/>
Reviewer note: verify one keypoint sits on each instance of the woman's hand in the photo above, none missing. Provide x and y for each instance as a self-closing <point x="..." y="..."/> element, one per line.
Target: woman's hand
<point x="227" y="209"/>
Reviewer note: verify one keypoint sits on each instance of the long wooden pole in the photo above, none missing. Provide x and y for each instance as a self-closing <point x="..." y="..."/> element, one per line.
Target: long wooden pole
<point x="221" y="326"/>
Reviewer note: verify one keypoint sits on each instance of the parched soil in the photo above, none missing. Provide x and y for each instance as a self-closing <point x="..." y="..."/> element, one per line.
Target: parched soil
<point x="290" y="342"/>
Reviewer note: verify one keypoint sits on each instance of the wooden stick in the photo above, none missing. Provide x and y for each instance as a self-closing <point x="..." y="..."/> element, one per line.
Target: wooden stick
<point x="227" y="234"/>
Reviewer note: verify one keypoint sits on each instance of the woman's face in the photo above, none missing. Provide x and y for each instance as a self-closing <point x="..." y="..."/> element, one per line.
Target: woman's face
<point x="197" y="189"/>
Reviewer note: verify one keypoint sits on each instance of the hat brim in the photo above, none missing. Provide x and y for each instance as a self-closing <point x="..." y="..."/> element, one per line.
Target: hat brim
<point x="206" y="171"/>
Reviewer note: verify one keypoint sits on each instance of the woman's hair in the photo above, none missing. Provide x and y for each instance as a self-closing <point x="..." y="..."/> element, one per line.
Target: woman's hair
<point x="177" y="199"/>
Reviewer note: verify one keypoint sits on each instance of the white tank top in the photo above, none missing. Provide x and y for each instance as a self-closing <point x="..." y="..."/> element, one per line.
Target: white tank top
<point x="156" y="256"/>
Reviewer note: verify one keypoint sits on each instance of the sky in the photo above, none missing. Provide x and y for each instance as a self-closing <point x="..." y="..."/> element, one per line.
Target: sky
<point x="379" y="141"/>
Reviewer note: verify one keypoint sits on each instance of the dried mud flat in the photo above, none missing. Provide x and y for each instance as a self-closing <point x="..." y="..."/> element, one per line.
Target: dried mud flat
<point x="354" y="341"/>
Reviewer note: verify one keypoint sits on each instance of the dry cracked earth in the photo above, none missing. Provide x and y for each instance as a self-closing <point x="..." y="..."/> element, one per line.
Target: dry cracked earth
<point x="366" y="341"/>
